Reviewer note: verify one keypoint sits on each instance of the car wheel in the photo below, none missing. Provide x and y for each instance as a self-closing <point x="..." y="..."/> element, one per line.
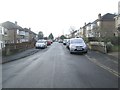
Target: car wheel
<point x="85" y="52"/>
<point x="71" y="52"/>
<point x="68" y="48"/>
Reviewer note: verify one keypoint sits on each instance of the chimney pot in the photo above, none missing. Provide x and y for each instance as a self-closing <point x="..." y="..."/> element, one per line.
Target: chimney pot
<point x="29" y="28"/>
<point x="15" y="22"/>
<point x="99" y="16"/>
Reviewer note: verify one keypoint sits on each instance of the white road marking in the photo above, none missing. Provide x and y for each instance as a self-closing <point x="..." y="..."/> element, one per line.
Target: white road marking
<point x="103" y="66"/>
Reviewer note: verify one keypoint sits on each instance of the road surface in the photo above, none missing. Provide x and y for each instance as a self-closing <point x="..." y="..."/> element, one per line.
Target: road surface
<point x="55" y="67"/>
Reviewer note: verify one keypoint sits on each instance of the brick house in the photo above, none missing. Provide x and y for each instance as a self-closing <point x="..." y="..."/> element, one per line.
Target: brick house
<point x="117" y="25"/>
<point x="2" y="33"/>
<point x="117" y="21"/>
<point x="104" y="26"/>
<point x="14" y="33"/>
<point x="33" y="36"/>
<point x="29" y="35"/>
<point x="11" y="34"/>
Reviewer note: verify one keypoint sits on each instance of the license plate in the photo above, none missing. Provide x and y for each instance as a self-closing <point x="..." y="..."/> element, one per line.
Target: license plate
<point x="79" y="48"/>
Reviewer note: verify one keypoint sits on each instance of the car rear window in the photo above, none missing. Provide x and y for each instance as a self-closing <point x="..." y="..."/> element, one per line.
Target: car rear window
<point x="40" y="41"/>
<point x="76" y="41"/>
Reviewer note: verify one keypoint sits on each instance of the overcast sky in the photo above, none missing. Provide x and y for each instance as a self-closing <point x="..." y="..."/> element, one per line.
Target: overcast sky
<point x="54" y="16"/>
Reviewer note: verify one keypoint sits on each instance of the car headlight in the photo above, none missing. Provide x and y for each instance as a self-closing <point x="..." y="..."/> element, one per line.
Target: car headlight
<point x="73" y="46"/>
<point x="85" y="47"/>
<point x="37" y="45"/>
<point x="44" y="44"/>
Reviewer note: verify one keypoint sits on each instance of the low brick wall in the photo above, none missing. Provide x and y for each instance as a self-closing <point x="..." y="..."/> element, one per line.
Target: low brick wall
<point x="15" y="48"/>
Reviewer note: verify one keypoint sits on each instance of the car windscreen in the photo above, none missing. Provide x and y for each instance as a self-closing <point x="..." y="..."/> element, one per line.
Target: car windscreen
<point x="65" y="40"/>
<point x="40" y="41"/>
<point x="76" y="41"/>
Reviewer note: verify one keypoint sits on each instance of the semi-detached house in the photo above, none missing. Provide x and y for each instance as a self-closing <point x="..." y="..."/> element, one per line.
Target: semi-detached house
<point x="12" y="33"/>
<point x="2" y="33"/>
<point x="104" y="26"/>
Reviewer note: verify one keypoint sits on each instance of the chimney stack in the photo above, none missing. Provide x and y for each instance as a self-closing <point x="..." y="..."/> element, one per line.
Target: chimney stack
<point x="15" y="22"/>
<point x="99" y="16"/>
<point x="30" y="29"/>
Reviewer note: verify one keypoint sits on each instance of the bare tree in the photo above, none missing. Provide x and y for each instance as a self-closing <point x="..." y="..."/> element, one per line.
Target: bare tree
<point x="72" y="30"/>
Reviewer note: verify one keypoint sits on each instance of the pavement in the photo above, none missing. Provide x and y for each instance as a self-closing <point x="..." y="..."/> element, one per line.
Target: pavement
<point x="108" y="62"/>
<point x="114" y="55"/>
<point x="19" y="55"/>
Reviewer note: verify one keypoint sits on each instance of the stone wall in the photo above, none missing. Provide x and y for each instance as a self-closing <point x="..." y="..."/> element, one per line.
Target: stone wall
<point x="97" y="46"/>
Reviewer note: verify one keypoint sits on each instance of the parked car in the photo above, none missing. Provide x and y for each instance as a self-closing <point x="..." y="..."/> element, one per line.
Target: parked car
<point x="60" y="41"/>
<point x="77" y="45"/>
<point x="51" y="41"/>
<point x="41" y="44"/>
<point x="48" y="42"/>
<point x="68" y="43"/>
<point x="64" y="41"/>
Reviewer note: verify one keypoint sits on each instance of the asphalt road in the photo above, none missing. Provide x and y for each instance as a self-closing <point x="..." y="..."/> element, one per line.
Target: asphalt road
<point x="55" y="67"/>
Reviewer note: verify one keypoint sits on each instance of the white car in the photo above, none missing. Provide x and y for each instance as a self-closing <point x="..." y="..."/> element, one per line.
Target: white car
<point x="65" y="41"/>
<point x="68" y="43"/>
<point x="77" y="45"/>
<point x="41" y="44"/>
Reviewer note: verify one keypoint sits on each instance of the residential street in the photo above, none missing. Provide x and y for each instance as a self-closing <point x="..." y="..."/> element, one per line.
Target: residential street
<point x="55" y="67"/>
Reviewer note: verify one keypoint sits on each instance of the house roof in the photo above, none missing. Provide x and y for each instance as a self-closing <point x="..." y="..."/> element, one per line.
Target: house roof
<point x="33" y="33"/>
<point x="9" y="25"/>
<point x="108" y="17"/>
<point x="28" y="30"/>
<point x="95" y="21"/>
<point x="87" y="24"/>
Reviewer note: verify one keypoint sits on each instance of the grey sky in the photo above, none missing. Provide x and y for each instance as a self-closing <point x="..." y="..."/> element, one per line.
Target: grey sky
<point x="54" y="16"/>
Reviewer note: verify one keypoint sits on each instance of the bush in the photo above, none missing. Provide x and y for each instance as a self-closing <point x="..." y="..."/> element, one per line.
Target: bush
<point x="109" y="46"/>
<point x="115" y="40"/>
<point x="115" y="48"/>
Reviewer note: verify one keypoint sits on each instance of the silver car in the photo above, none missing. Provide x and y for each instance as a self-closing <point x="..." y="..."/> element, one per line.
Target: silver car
<point x="41" y="44"/>
<point x="68" y="43"/>
<point x="77" y="45"/>
<point x="65" y="41"/>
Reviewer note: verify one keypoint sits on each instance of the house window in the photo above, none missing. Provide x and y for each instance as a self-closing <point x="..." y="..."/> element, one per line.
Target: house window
<point x="5" y="31"/>
<point x="2" y="45"/>
<point x="98" y="23"/>
<point x="0" y="30"/>
<point x="17" y="31"/>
